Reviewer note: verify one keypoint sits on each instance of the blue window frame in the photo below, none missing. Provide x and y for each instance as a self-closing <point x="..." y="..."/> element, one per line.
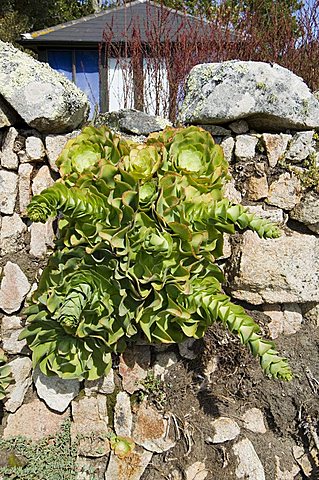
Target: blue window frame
<point x="81" y="67"/>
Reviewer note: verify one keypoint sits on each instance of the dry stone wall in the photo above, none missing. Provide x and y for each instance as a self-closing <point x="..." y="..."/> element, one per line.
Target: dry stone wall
<point x="275" y="173"/>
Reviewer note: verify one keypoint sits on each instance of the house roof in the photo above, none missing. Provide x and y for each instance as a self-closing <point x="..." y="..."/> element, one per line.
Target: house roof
<point x="89" y="30"/>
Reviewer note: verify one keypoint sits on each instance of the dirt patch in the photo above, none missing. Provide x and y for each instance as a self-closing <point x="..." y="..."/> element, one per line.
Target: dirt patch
<point x="224" y="380"/>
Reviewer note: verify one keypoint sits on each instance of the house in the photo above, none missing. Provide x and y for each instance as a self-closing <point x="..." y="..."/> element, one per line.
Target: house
<point x="110" y="54"/>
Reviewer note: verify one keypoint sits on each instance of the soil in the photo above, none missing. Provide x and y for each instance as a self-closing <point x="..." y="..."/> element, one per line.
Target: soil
<point x="224" y="380"/>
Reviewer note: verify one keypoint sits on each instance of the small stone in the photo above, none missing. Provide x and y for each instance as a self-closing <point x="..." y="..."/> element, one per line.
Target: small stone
<point x="285" y="474"/>
<point x="164" y="361"/>
<point x="14" y="288"/>
<point x="11" y="328"/>
<point x="56" y="392"/>
<point x="302" y="459"/>
<point x="216" y="130"/>
<point x="197" y="471"/>
<point x="54" y="145"/>
<point x="249" y="466"/>
<point x="254" y="420"/>
<point x="301" y="146"/>
<point x="34" y="420"/>
<point x="123" y="419"/>
<point x="307" y="211"/>
<point x="245" y="148"/>
<point x="312" y="315"/>
<point x="42" y="237"/>
<point x="34" y="149"/>
<point x="257" y="188"/>
<point x="11" y="234"/>
<point x="231" y="192"/>
<point x="133" y="367"/>
<point x="285" y="320"/>
<point x="240" y="126"/>
<point x="285" y="192"/>
<point x="131" y="467"/>
<point x="42" y="180"/>
<point x="225" y="429"/>
<point x="276" y="145"/>
<point x="8" y="158"/>
<point x="8" y="191"/>
<point x="228" y="146"/>
<point x="90" y="468"/>
<point x="186" y="349"/>
<point x="25" y="172"/>
<point x="21" y="373"/>
<point x="90" y="424"/>
<point x="275" y="215"/>
<point x="104" y="385"/>
<point x="132" y="121"/>
<point x="151" y="430"/>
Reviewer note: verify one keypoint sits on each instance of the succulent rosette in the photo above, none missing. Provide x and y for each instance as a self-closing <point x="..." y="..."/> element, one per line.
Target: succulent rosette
<point x="140" y="230"/>
<point x="5" y="375"/>
<point x="89" y="151"/>
<point x="74" y="318"/>
<point x="143" y="161"/>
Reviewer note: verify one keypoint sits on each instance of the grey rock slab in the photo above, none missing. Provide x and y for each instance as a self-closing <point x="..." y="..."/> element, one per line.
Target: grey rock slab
<point x="300" y="147"/>
<point x="216" y="130"/>
<point x="231" y="193"/>
<point x="123" y="418"/>
<point x="225" y="429"/>
<point x="245" y="147"/>
<point x="21" y="373"/>
<point x="257" y="187"/>
<point x="45" y="99"/>
<point x="196" y="471"/>
<point x="42" y="180"/>
<point x="285" y="192"/>
<point x="104" y="385"/>
<point x="132" y="121"/>
<point x="163" y="362"/>
<point x="281" y="270"/>
<point x="186" y="349"/>
<point x="253" y="420"/>
<point x="8" y="158"/>
<point x="56" y="392"/>
<point x="286" y="319"/>
<point x="249" y="465"/>
<point x="34" y="149"/>
<point x="228" y="145"/>
<point x="151" y="430"/>
<point x="130" y="467"/>
<point x="268" y="96"/>
<point x="133" y="367"/>
<point x="54" y="145"/>
<point x="25" y="173"/>
<point x="11" y="328"/>
<point x="275" y="145"/>
<point x="11" y="234"/>
<point x="90" y="426"/>
<point x="275" y="215"/>
<point x="307" y="211"/>
<point x="34" y="420"/>
<point x="239" y="127"/>
<point x="8" y="191"/>
<point x="8" y="116"/>
<point x="42" y="238"/>
<point x="14" y="288"/>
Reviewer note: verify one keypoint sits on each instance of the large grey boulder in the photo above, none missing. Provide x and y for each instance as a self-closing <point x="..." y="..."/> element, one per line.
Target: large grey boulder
<point x="45" y="99"/>
<point x="268" y="97"/>
<point x="283" y="270"/>
<point x="132" y="122"/>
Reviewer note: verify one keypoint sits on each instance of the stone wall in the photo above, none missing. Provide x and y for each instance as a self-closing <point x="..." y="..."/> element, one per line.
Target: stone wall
<point x="274" y="172"/>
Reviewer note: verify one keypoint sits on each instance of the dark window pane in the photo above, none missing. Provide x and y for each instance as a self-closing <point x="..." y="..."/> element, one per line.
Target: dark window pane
<point x="61" y="61"/>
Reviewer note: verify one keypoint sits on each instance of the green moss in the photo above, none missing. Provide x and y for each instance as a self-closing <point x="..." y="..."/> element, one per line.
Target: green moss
<point x="110" y="405"/>
<point x="52" y="458"/>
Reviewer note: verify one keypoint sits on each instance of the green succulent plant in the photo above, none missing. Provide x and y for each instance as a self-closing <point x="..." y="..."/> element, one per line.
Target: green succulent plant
<point x="140" y="231"/>
<point x="5" y="375"/>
